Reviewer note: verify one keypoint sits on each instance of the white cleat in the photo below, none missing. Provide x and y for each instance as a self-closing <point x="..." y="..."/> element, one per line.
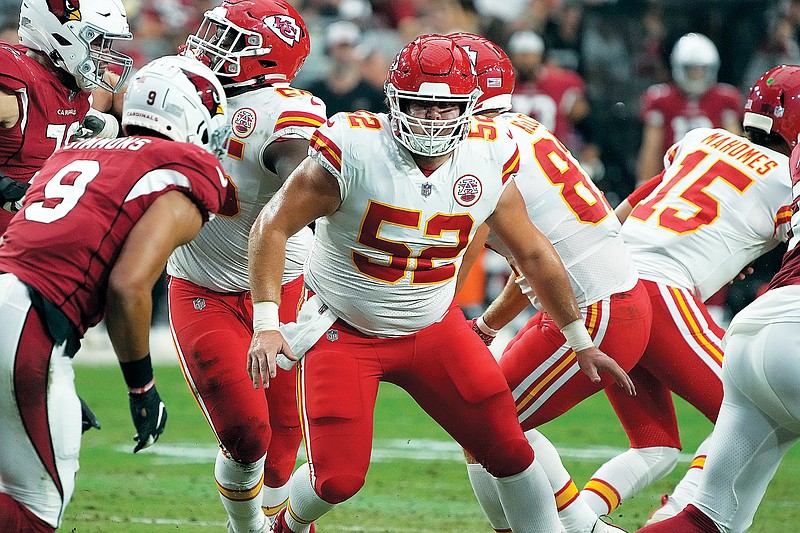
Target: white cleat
<point x="604" y="527"/>
<point x="669" y="508"/>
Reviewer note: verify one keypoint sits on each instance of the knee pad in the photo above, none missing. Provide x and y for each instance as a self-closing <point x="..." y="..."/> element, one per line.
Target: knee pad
<point x="245" y="443"/>
<point x="508" y="458"/>
<point x="660" y="460"/>
<point x="337" y="489"/>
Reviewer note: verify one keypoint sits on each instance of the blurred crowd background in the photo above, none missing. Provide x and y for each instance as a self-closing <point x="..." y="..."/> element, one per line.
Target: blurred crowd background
<point x="607" y="51"/>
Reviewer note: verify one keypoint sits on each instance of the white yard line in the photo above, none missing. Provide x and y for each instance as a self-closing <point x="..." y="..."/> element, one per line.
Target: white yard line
<point x="382" y="450"/>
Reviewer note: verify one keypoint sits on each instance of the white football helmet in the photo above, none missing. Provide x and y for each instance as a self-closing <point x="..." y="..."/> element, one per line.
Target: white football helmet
<point x="179" y="97"/>
<point x="78" y="36"/>
<point x="695" y="63"/>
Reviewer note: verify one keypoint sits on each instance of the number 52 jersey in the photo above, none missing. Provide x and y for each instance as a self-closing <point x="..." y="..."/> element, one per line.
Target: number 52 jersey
<point x="386" y="260"/>
<point x="722" y="202"/>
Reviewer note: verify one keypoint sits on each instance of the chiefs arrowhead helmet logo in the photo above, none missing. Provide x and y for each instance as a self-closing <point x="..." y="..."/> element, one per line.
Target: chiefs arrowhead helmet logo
<point x="207" y="92"/>
<point x="65" y="10"/>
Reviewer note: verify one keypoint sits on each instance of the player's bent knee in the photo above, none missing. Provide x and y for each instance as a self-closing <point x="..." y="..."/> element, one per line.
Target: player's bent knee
<point x="337" y="489"/>
<point x="246" y="444"/>
<point x="661" y="460"/>
<point x="508" y="458"/>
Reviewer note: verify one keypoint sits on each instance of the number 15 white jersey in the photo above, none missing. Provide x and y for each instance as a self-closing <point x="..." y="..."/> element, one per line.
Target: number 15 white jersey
<point x="722" y="202"/>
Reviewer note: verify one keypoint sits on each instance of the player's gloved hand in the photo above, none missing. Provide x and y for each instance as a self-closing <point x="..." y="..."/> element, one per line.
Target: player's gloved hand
<point x="11" y="192"/>
<point x="149" y="416"/>
<point x="88" y="419"/>
<point x="486" y="333"/>
<point x="97" y="124"/>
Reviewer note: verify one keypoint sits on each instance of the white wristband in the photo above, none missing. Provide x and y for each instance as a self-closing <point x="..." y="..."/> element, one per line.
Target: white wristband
<point x="481" y="323"/>
<point x="577" y="336"/>
<point x="265" y="316"/>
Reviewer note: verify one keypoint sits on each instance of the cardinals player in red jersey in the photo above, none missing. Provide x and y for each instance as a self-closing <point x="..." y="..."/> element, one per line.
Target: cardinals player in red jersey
<point x="397" y="198"/>
<point x="554" y="96"/>
<point x="92" y="237"/>
<point x="45" y="83"/>
<point x="721" y="202"/>
<point x="692" y="100"/>
<point x="256" y="47"/>
<point x="538" y="364"/>
<point x="759" y="420"/>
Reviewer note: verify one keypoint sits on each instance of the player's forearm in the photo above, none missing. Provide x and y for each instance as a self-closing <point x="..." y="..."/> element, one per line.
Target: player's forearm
<point x="266" y="260"/>
<point x="546" y="274"/>
<point x="506" y="306"/>
<point x="128" y="313"/>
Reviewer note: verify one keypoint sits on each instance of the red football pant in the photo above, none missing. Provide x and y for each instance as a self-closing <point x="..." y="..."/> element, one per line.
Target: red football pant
<point x="542" y="371"/>
<point x="444" y="367"/>
<point x="684" y="355"/>
<point x="212" y="332"/>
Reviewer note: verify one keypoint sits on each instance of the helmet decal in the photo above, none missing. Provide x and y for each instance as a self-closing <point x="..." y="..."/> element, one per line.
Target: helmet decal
<point x="65" y="10"/>
<point x="208" y="94"/>
<point x="285" y="27"/>
<point x="250" y="42"/>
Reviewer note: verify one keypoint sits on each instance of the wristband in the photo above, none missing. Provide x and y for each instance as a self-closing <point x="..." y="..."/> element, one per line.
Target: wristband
<point x="577" y="336"/>
<point x="481" y="323"/>
<point x="138" y="375"/>
<point x="265" y="316"/>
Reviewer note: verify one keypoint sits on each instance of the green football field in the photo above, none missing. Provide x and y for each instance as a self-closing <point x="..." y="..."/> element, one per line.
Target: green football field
<point x="417" y="481"/>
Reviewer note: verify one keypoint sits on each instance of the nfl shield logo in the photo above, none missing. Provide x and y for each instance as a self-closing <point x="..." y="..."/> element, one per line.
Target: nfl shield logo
<point x="332" y="335"/>
<point x="426" y="189"/>
<point x="199" y="304"/>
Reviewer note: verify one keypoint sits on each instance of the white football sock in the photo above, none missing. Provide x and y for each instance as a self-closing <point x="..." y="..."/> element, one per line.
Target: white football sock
<point x="240" y="488"/>
<point x="305" y="506"/>
<point x="626" y="474"/>
<point x="485" y="489"/>
<point x="575" y="514"/>
<point x="685" y="490"/>
<point x="528" y="501"/>
<point x="273" y="499"/>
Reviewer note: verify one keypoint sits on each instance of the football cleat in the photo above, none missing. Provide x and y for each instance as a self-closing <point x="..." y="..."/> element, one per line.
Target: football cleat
<point x="666" y="510"/>
<point x="280" y="526"/>
<point x="602" y="526"/>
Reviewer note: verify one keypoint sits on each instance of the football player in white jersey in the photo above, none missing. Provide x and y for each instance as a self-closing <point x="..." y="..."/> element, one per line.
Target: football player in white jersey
<point x="397" y="199"/>
<point x="759" y="420"/>
<point x="721" y="202"/>
<point x="538" y="364"/>
<point x="256" y="47"/>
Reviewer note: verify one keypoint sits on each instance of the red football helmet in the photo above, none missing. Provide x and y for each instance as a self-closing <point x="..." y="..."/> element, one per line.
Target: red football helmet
<point x="251" y="41"/>
<point x="494" y="69"/>
<point x="773" y="104"/>
<point x="431" y="68"/>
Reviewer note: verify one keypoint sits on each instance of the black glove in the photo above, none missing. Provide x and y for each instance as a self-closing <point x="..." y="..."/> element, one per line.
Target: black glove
<point x="149" y="416"/>
<point x="11" y="192"/>
<point x="88" y="420"/>
<point x="91" y="126"/>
